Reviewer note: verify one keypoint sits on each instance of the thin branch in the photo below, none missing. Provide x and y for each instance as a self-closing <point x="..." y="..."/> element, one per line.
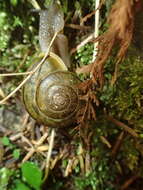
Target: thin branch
<point x="15" y="74"/>
<point x="123" y="126"/>
<point x="117" y="144"/>
<point x="51" y="144"/>
<point x="105" y="141"/>
<point x="2" y="94"/>
<point x="84" y="42"/>
<point x="84" y="19"/>
<point x="129" y="182"/>
<point x="78" y="27"/>
<point x="35" y="146"/>
<point x="96" y="28"/>
<point x="69" y="167"/>
<point x="33" y="71"/>
<point x="87" y="163"/>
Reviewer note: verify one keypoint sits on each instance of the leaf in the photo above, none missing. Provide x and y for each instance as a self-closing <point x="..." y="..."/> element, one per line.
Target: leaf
<point x="21" y="186"/>
<point x="14" y="2"/>
<point x="5" y="175"/>
<point x="17" y="22"/>
<point x="5" y="141"/>
<point x="32" y="175"/>
<point x="16" y="153"/>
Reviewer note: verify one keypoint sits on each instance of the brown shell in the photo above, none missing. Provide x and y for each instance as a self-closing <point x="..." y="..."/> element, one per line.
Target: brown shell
<point x="51" y="95"/>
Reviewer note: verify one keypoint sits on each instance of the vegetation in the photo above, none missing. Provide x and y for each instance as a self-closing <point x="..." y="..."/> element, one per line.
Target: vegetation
<point x="104" y="151"/>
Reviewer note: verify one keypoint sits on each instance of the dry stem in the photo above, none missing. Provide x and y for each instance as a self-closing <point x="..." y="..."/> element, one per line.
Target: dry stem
<point x="96" y="29"/>
<point x="49" y="154"/>
<point x="123" y="126"/>
<point x="15" y="74"/>
<point x="129" y="182"/>
<point x="84" y="42"/>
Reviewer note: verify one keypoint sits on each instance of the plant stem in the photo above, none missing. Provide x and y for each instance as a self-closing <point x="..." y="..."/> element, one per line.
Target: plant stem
<point x="51" y="144"/>
<point x="96" y="28"/>
<point x="14" y="74"/>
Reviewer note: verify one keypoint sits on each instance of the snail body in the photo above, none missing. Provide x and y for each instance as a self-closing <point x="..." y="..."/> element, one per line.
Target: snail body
<point x="51" y="21"/>
<point x="51" y="95"/>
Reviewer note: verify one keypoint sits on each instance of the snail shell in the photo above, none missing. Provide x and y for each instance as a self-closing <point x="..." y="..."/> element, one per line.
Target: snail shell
<point x="51" y="94"/>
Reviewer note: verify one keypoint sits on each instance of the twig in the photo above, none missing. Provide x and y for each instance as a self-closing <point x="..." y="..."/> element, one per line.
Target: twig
<point x="105" y="141"/>
<point x="84" y="69"/>
<point x="25" y="121"/>
<point x="33" y="71"/>
<point x="41" y="140"/>
<point x="78" y="27"/>
<point x="69" y="167"/>
<point x="28" y="155"/>
<point x="25" y="139"/>
<point x="115" y="75"/>
<point x="96" y="29"/>
<point x="117" y="145"/>
<point x="15" y="136"/>
<point x="36" y="147"/>
<point x="51" y="144"/>
<point x="84" y="42"/>
<point x="57" y="158"/>
<point x="84" y="19"/>
<point x="87" y="163"/>
<point x="129" y="182"/>
<point x="15" y="74"/>
<point x="2" y="93"/>
<point x="122" y="125"/>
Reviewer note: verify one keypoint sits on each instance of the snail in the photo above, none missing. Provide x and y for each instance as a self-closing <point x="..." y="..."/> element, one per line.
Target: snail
<point x="51" y="95"/>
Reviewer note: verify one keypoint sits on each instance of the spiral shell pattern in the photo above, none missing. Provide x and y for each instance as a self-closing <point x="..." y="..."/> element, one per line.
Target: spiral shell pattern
<point x="52" y="98"/>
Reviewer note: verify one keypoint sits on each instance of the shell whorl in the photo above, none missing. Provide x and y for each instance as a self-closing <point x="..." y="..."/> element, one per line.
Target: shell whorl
<point x="51" y="94"/>
<point x="60" y="96"/>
